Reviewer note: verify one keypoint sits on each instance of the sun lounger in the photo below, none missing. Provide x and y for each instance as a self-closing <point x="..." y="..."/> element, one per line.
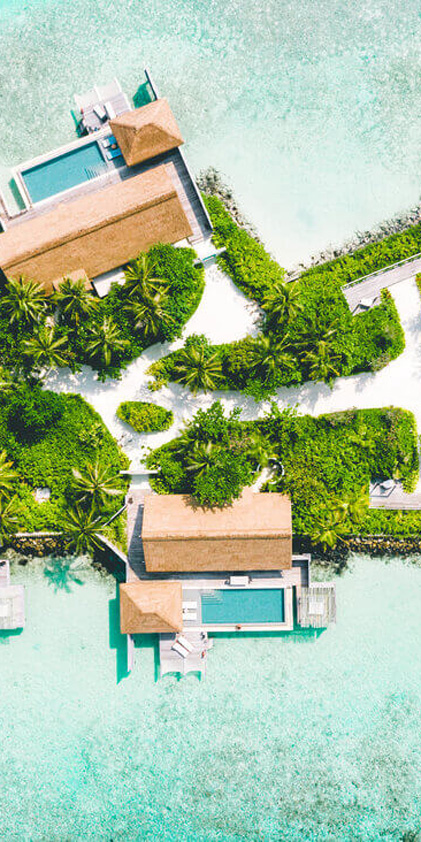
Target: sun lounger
<point x="180" y="649"/>
<point x="100" y="112"/>
<point x="108" y="141"/>
<point x="113" y="153"/>
<point x="189" y="615"/>
<point x="387" y="485"/>
<point x="4" y="610"/>
<point x="239" y="581"/>
<point x="110" y="109"/>
<point x="187" y="605"/>
<point x="366" y="303"/>
<point x="186" y="643"/>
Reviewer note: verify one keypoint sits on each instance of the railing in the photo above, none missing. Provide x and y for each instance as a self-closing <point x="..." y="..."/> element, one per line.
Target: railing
<point x="381" y="271"/>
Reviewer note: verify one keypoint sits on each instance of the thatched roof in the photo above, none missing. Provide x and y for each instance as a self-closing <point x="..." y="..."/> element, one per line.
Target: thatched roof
<point x="146" y="132"/>
<point x="252" y="515"/>
<point x="255" y="533"/>
<point x="98" y="231"/>
<point x="149" y="607"/>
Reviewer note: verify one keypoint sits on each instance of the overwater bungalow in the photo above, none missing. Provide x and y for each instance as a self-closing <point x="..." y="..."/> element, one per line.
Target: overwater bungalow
<point x="88" y="208"/>
<point x="193" y="573"/>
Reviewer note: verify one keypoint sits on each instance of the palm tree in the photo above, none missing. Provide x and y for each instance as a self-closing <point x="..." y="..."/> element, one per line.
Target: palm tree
<point x="354" y="507"/>
<point x="95" y="483"/>
<point x="282" y="303"/>
<point x="45" y="350"/>
<point x="104" y="340"/>
<point x="149" y="314"/>
<point x="201" y="456"/>
<point x="141" y="280"/>
<point x="80" y="530"/>
<point x="271" y="355"/>
<point x="7" y="382"/>
<point x="24" y="301"/>
<point x="75" y="302"/>
<point x="197" y="370"/>
<point x="322" y="363"/>
<point x="8" y="518"/>
<point x="8" y="475"/>
<point x="327" y="529"/>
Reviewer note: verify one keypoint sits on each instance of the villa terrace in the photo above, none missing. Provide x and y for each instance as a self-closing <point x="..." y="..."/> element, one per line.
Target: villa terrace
<point x="82" y="185"/>
<point x="191" y="573"/>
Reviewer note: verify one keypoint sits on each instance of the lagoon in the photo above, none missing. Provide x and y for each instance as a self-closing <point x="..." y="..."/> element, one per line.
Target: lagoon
<point x="292" y="738"/>
<point x="312" y="110"/>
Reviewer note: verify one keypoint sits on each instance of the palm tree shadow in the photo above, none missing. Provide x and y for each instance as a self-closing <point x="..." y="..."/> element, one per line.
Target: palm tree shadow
<point x="62" y="573"/>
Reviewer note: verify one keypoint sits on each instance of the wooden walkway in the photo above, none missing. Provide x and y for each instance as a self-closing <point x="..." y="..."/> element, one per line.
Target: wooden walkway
<point x="136" y="568"/>
<point x="395" y="498"/>
<point x="372" y="285"/>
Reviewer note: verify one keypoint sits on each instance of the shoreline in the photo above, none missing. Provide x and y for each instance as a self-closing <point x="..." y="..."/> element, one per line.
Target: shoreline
<point x="211" y="182"/>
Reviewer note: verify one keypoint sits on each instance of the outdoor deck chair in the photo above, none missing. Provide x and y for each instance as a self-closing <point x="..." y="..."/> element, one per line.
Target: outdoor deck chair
<point x="189" y="615"/>
<point x="186" y="643"/>
<point x="110" y="110"/>
<point x="180" y="649"/>
<point x="187" y="605"/>
<point x="113" y="153"/>
<point x="100" y="112"/>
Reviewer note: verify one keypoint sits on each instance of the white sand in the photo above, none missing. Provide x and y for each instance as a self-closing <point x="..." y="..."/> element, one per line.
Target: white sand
<point x="224" y="314"/>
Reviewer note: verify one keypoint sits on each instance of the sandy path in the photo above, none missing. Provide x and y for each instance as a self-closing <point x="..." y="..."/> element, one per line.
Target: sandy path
<point x="225" y="314"/>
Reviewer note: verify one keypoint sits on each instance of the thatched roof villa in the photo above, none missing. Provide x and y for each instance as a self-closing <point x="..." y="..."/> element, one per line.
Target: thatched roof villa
<point x="93" y="205"/>
<point x="235" y="567"/>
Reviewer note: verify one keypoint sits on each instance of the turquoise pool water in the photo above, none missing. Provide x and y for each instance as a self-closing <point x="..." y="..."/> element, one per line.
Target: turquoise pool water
<point x="249" y="605"/>
<point x="311" y="109"/>
<point x="64" y="171"/>
<point x="288" y="738"/>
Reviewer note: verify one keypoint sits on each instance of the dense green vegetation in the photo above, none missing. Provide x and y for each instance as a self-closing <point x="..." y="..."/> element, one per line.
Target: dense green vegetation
<point x="308" y="331"/>
<point x="58" y="442"/>
<point x="161" y="291"/>
<point x="145" y="417"/>
<point x="324" y="464"/>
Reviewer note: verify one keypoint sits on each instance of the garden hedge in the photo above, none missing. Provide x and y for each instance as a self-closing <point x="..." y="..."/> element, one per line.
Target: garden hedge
<point x="145" y="417"/>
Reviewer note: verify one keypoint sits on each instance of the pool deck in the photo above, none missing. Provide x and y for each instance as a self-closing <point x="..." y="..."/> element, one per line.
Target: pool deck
<point x="116" y="171"/>
<point x="196" y="584"/>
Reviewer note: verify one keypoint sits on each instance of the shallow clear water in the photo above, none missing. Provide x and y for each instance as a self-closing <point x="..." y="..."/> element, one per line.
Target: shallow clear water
<point x="287" y="738"/>
<point x="313" y="110"/>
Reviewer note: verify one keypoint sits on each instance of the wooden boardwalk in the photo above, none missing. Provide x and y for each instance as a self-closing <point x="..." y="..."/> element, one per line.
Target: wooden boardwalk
<point x="371" y="286"/>
<point x="136" y="559"/>
<point x="395" y="498"/>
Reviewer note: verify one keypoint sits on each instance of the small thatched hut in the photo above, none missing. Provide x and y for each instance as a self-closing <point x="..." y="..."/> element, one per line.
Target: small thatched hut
<point x="146" y="132"/>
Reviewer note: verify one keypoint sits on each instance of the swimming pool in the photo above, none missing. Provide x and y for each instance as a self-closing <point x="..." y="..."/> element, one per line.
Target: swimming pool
<point x="63" y="172"/>
<point x="248" y="605"/>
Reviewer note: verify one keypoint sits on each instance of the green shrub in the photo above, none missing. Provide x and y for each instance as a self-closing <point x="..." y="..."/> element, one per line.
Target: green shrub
<point x="324" y="464"/>
<point x="32" y="412"/>
<point x="322" y="339"/>
<point x="74" y="440"/>
<point x="145" y="417"/>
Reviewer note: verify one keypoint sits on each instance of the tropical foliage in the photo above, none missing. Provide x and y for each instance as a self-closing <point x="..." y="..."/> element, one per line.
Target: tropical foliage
<point x="145" y="417"/>
<point x="73" y="326"/>
<point x="324" y="464"/>
<point x="307" y="329"/>
<point x="59" y="442"/>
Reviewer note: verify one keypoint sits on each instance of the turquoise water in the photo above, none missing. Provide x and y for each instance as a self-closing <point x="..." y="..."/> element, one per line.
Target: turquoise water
<point x="291" y="738"/>
<point x="250" y="605"/>
<point x="312" y="109"/>
<point x="65" y="171"/>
